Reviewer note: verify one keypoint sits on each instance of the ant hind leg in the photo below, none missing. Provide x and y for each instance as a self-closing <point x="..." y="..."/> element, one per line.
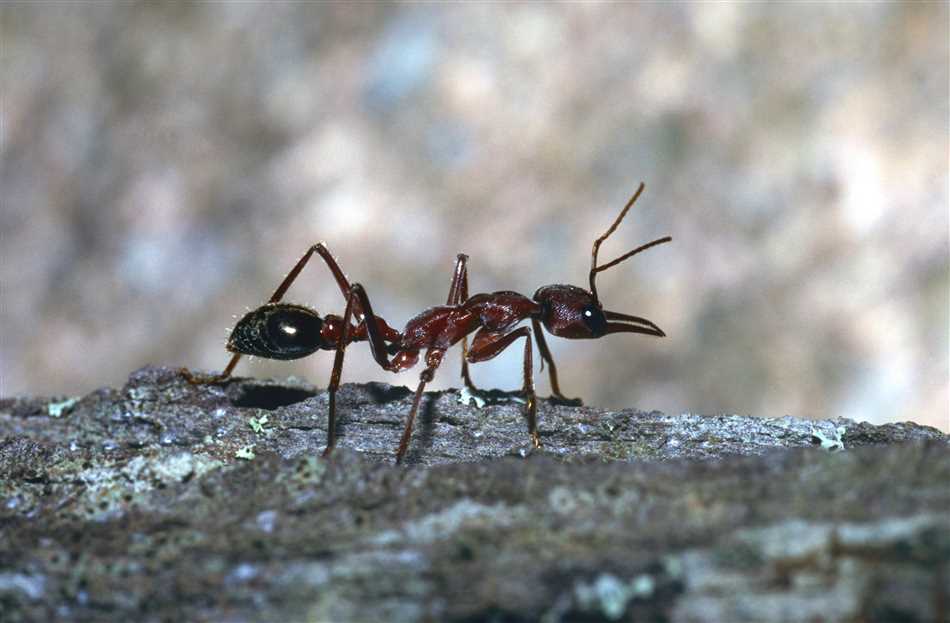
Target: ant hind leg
<point x="286" y="282"/>
<point x="211" y="379"/>
<point x="336" y="373"/>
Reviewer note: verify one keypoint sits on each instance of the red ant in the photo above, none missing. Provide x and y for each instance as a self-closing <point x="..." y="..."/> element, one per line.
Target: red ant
<point x="287" y="331"/>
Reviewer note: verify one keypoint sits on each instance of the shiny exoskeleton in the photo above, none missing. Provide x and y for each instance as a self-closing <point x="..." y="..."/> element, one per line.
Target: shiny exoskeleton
<point x="289" y="331"/>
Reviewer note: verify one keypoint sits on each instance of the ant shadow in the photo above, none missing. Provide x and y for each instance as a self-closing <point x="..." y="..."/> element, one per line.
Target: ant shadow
<point x="425" y="431"/>
<point x="429" y="416"/>
<point x="268" y="396"/>
<point x="381" y="393"/>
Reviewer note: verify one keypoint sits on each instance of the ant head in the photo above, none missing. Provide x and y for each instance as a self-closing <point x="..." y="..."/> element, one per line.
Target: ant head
<point x="278" y="331"/>
<point x="575" y="313"/>
<point x="571" y="312"/>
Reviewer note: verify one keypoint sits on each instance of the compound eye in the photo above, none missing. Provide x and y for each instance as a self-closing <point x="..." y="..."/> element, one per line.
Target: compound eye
<point x="595" y="320"/>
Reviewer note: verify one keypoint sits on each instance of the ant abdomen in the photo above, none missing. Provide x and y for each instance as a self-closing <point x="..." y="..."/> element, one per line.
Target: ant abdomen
<point x="278" y="331"/>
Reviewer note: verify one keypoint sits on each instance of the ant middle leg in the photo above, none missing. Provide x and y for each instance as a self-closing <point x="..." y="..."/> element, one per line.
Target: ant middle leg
<point x="433" y="360"/>
<point x="458" y="294"/>
<point x="487" y="344"/>
<point x="459" y="275"/>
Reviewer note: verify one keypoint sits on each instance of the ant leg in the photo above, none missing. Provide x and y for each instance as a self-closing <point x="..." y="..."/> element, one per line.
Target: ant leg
<point x="401" y="360"/>
<point x="463" y="296"/>
<point x="330" y="261"/>
<point x="200" y="379"/>
<point x="433" y="359"/>
<point x="552" y="369"/>
<point x="457" y="276"/>
<point x="378" y="333"/>
<point x="488" y="344"/>
<point x="458" y="294"/>
<point x="208" y="379"/>
<point x="341" y="343"/>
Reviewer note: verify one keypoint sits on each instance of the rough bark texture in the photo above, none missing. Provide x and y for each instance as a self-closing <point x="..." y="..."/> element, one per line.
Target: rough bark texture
<point x="163" y="501"/>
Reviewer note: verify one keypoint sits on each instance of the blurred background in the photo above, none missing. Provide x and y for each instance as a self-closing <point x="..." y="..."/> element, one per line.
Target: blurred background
<point x="164" y="165"/>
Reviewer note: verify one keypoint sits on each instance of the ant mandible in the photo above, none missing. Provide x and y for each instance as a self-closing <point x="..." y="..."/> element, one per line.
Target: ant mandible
<point x="288" y="331"/>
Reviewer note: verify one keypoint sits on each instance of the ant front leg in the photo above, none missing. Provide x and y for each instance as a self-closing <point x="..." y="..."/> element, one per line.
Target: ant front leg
<point x="321" y="249"/>
<point x="552" y="369"/>
<point x="488" y="344"/>
<point x="458" y="294"/>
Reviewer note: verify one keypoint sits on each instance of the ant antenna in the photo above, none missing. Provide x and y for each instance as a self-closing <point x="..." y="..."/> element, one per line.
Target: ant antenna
<point x="594" y="268"/>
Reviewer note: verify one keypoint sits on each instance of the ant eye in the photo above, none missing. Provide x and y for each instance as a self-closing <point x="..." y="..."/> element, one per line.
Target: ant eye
<point x="278" y="331"/>
<point x="595" y="320"/>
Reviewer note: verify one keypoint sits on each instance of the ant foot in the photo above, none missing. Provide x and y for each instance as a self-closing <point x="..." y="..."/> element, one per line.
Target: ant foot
<point x="536" y="440"/>
<point x="190" y="377"/>
<point x="202" y="379"/>
<point x="526" y="450"/>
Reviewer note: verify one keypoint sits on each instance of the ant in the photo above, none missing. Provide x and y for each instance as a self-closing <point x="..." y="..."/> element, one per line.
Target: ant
<point x="286" y="331"/>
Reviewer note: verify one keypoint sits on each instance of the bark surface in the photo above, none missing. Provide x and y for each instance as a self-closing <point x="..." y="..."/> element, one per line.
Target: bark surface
<point x="164" y="501"/>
